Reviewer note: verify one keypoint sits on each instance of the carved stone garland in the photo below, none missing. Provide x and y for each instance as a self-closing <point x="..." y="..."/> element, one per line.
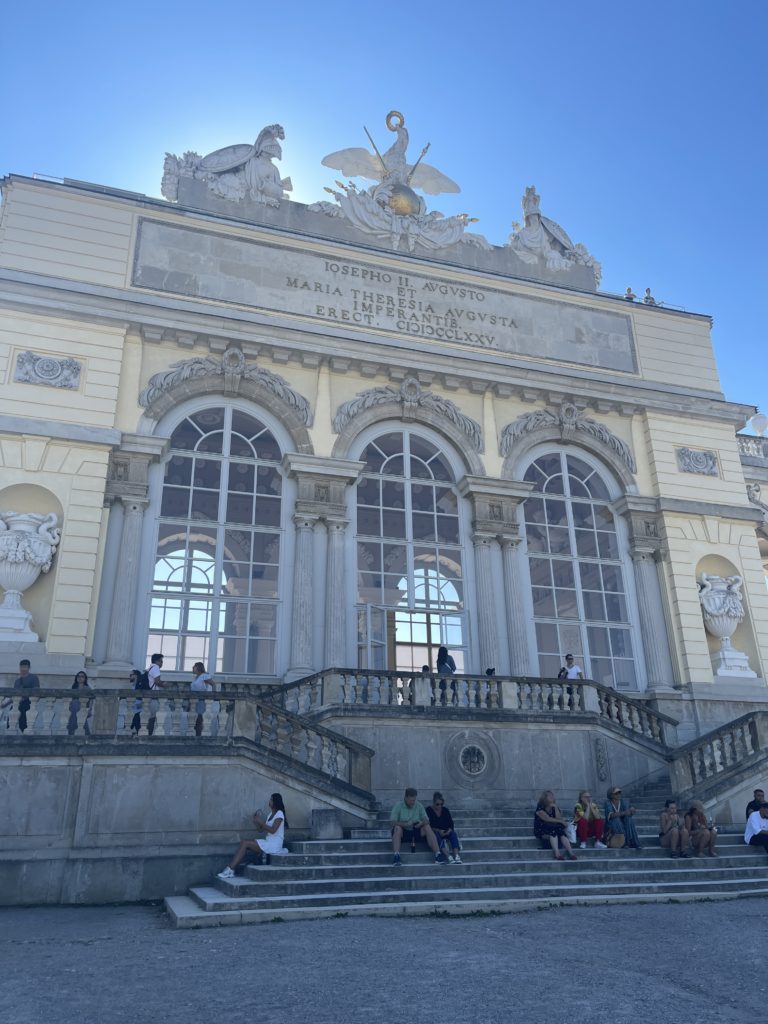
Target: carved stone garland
<point x="569" y="421"/>
<point x="233" y="368"/>
<point x="410" y="396"/>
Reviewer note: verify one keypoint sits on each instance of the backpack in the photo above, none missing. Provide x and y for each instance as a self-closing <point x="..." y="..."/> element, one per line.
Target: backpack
<point x="562" y="674"/>
<point x="142" y="683"/>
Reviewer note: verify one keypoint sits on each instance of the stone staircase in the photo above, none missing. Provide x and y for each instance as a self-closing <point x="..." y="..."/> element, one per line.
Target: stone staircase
<point x="504" y="870"/>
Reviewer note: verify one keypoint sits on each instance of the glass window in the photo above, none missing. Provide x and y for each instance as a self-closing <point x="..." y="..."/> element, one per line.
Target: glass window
<point x="217" y="556"/>
<point x="410" y="579"/>
<point x="576" y="571"/>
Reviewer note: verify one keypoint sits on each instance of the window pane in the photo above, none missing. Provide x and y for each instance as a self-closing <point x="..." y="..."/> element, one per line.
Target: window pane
<point x="393" y="494"/>
<point x="567" y="608"/>
<point x="563" y="573"/>
<point x="534" y="510"/>
<point x="369" y="491"/>
<point x="541" y="573"/>
<point x="536" y="538"/>
<point x="368" y="522"/>
<point x="543" y="602"/>
<point x="559" y="540"/>
<point x="586" y="545"/>
<point x="546" y="637"/>
<point x="393" y="523"/>
<point x="555" y="511"/>
<point x="590" y="575"/>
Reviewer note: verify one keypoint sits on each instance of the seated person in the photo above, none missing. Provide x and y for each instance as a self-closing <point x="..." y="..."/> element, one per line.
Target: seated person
<point x="703" y="834"/>
<point x="618" y="819"/>
<point x="590" y="823"/>
<point x="756" y="832"/>
<point x="409" y="819"/>
<point x="272" y="845"/>
<point x="673" y="835"/>
<point x="758" y="799"/>
<point x="549" y="826"/>
<point x="441" y="823"/>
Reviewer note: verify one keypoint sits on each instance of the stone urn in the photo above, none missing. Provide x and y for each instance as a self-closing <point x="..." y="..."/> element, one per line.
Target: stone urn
<point x="723" y="610"/>
<point x="28" y="542"/>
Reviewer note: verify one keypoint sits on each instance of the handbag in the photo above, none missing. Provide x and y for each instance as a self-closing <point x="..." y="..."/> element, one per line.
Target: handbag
<point x="570" y="831"/>
<point x="616" y="840"/>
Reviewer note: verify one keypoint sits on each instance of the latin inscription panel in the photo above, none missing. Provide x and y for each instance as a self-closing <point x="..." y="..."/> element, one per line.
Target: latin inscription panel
<point x="361" y="295"/>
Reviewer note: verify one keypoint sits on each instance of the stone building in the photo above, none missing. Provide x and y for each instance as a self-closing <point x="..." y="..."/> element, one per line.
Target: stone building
<point x="280" y="438"/>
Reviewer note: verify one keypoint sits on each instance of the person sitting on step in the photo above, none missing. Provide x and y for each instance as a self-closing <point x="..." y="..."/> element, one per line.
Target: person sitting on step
<point x="589" y="820"/>
<point x="620" y="826"/>
<point x="757" y="801"/>
<point x="549" y="826"/>
<point x="756" y="832"/>
<point x="673" y="835"/>
<point x="272" y="845"/>
<point x="441" y="823"/>
<point x="703" y="832"/>
<point x="409" y="819"/>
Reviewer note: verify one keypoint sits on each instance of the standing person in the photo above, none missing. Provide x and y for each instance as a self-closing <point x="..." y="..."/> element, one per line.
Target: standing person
<point x="757" y="801"/>
<point x="446" y="667"/>
<point x="409" y="819"/>
<point x="703" y="834"/>
<point x="619" y="816"/>
<point x="570" y="669"/>
<point x="202" y="683"/>
<point x="80" y="683"/>
<point x="590" y="823"/>
<point x="441" y="823"/>
<point x="756" y="832"/>
<point x="137" y="682"/>
<point x="549" y="826"/>
<point x="154" y="678"/>
<point x="274" y="825"/>
<point x="673" y="835"/>
<point x="25" y="680"/>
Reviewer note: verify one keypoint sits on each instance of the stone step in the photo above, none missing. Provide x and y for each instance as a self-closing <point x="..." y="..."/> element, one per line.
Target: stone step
<point x="543" y="876"/>
<point x="213" y="901"/>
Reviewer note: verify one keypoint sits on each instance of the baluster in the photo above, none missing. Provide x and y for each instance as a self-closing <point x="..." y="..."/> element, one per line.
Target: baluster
<point x="560" y="701"/>
<point x="693" y="765"/>
<point x="299" y="741"/>
<point x="751" y="742"/>
<point x="350" y="689"/>
<point x="44" y="710"/>
<point x="283" y="735"/>
<point x="185" y="725"/>
<point x="342" y="762"/>
<point x="314" y="749"/>
<point x="374" y="690"/>
<point x="292" y="701"/>
<point x="494" y="694"/>
<point x="271" y="738"/>
<point x="258" y="728"/>
<point x="708" y="759"/>
<point x="462" y="692"/>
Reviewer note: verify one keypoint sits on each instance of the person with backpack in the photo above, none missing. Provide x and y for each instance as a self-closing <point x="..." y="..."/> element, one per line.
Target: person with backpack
<point x="154" y="682"/>
<point x="138" y="681"/>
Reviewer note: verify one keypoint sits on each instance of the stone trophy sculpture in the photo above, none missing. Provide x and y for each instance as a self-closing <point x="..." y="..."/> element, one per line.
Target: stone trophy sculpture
<point x="28" y="542"/>
<point x="391" y="209"/>
<point x="723" y="610"/>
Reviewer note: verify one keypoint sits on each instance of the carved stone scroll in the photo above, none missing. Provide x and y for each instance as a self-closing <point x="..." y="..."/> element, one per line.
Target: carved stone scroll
<point x="568" y="420"/>
<point x="691" y="461"/>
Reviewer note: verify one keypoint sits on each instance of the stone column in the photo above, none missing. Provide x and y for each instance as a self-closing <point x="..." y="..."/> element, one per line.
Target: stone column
<point x="120" y="639"/>
<point x="653" y="626"/>
<point x="519" y="656"/>
<point x="335" y="595"/>
<point x="486" y="602"/>
<point x="302" y="621"/>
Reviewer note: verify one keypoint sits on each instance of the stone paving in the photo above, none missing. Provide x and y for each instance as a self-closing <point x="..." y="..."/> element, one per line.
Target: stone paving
<point x="641" y="963"/>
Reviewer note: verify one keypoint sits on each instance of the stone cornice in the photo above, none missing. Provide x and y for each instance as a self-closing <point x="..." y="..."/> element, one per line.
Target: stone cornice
<point x="187" y="323"/>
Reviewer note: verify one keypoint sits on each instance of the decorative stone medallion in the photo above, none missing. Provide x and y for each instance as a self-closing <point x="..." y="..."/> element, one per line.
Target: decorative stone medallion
<point x="691" y="461"/>
<point x="49" y="371"/>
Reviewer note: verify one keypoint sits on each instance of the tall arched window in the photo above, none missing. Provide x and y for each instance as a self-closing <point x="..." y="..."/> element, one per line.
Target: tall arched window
<point x="410" y="585"/>
<point x="215" y="583"/>
<point x="577" y="575"/>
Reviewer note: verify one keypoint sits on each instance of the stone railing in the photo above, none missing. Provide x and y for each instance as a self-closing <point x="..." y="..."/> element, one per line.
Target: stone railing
<point x="230" y="715"/>
<point x="524" y="696"/>
<point x="752" y="447"/>
<point x="708" y="762"/>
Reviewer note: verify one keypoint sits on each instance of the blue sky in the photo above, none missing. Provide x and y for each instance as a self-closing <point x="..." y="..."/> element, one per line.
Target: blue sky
<point x="642" y="125"/>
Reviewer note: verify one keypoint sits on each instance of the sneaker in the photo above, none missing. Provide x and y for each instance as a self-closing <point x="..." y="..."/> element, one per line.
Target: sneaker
<point x="440" y="858"/>
<point x="226" y="873"/>
<point x="457" y="859"/>
<point x="582" y="846"/>
<point x="449" y="858"/>
<point x="396" y="862"/>
<point x="599" y="845"/>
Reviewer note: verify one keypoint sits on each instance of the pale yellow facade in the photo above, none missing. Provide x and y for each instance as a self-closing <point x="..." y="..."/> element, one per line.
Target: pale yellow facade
<point x="68" y="259"/>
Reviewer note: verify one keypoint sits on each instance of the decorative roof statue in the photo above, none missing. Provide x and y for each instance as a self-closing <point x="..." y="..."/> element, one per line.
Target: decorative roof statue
<point x="540" y="239"/>
<point x="235" y="172"/>
<point x="391" y="209"/>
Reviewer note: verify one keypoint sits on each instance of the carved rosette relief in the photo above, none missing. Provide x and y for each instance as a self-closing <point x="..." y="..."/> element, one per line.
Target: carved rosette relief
<point x="28" y="542"/>
<point x="232" y="370"/>
<point x="568" y="421"/>
<point x="48" y="371"/>
<point x="410" y="396"/>
<point x="692" y="461"/>
<point x="723" y="610"/>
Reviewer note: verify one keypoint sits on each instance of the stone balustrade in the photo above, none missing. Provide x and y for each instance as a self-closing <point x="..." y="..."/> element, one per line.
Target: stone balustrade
<point x="154" y="716"/>
<point x="707" y="763"/>
<point x="752" y="447"/>
<point x="524" y="696"/>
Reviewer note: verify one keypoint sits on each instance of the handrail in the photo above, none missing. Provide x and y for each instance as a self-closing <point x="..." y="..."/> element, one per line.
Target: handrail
<point x="523" y="694"/>
<point x="721" y="753"/>
<point x="171" y="713"/>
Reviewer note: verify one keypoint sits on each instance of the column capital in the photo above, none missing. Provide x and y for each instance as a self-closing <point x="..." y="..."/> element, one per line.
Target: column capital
<point x="129" y="463"/>
<point x="305" y="520"/>
<point x="322" y="483"/>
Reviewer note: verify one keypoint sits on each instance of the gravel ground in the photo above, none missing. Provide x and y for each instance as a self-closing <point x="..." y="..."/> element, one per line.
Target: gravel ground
<point x="696" y="963"/>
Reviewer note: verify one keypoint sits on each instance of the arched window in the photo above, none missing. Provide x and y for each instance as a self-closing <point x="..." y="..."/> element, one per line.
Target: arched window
<point x="577" y="575"/>
<point x="215" y="582"/>
<point x="410" y="583"/>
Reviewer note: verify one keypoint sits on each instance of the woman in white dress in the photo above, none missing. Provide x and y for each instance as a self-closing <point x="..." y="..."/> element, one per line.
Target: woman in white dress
<point x="271" y="844"/>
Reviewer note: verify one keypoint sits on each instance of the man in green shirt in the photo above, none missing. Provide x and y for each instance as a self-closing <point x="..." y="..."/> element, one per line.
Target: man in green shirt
<point x="409" y="819"/>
